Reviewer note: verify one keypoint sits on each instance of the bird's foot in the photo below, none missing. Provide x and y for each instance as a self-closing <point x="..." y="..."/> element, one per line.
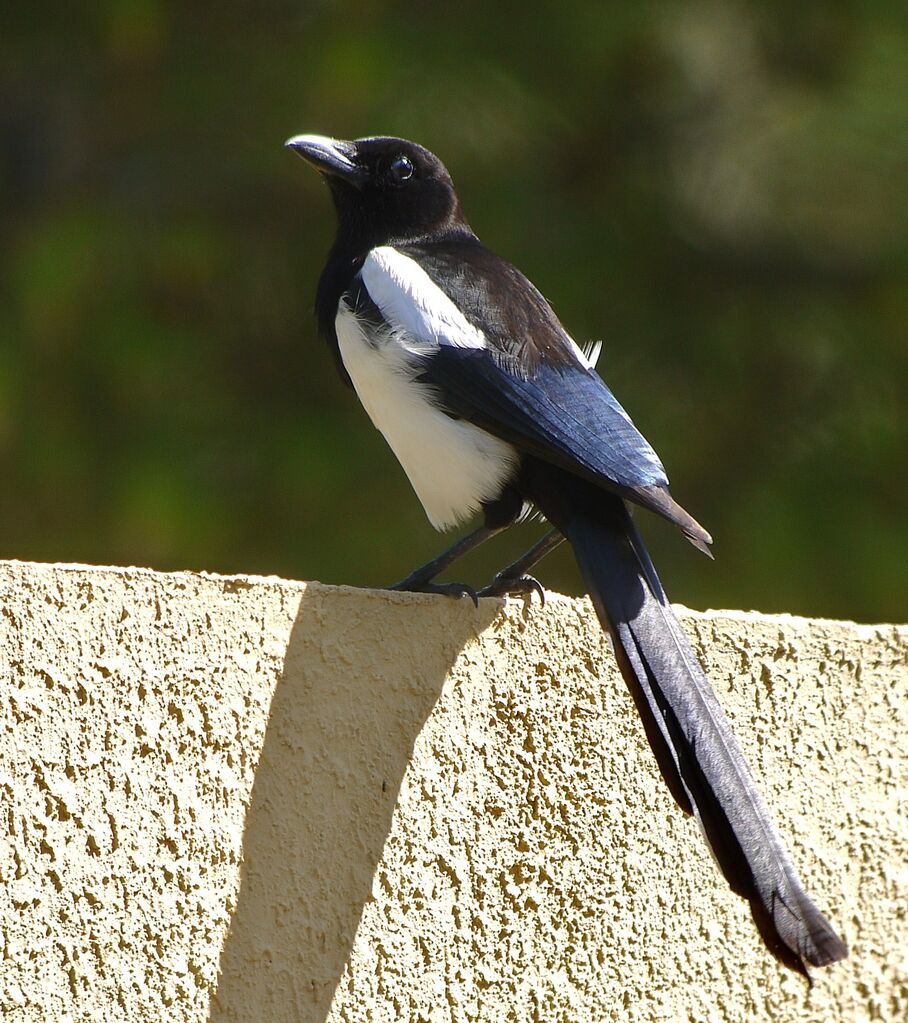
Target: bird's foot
<point x="514" y="586"/>
<point x="416" y="584"/>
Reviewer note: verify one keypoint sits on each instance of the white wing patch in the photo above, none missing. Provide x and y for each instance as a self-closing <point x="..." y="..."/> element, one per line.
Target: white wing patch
<point x="452" y="465"/>
<point x="591" y="352"/>
<point x="416" y="307"/>
<point x="413" y="304"/>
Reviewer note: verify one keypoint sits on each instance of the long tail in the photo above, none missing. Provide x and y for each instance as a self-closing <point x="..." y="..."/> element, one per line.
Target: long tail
<point x="690" y="736"/>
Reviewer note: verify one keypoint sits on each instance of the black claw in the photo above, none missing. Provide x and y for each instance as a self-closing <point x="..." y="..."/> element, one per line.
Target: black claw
<point x="519" y="586"/>
<point x="456" y="590"/>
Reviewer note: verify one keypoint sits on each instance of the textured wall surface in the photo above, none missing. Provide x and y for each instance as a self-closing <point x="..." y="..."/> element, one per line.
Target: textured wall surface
<point x="254" y="800"/>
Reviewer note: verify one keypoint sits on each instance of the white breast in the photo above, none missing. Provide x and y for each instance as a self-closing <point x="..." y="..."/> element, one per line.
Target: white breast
<point x="452" y="465"/>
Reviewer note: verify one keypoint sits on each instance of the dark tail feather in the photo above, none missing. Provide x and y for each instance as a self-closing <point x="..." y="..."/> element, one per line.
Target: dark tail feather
<point x="690" y="736"/>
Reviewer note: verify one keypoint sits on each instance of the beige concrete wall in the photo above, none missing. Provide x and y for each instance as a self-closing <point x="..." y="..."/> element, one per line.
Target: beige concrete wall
<point x="256" y="800"/>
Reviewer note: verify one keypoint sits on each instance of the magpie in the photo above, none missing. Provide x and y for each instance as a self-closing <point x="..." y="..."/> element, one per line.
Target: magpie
<point x="490" y="406"/>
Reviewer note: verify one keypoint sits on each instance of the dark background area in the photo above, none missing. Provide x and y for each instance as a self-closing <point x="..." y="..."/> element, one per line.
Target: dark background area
<point x="717" y="190"/>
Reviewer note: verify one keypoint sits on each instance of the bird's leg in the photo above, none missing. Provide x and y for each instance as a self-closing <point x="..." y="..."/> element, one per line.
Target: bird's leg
<point x="514" y="579"/>
<point x="420" y="580"/>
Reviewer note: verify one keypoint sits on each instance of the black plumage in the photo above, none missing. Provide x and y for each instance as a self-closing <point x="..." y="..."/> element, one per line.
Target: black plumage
<point x="427" y="315"/>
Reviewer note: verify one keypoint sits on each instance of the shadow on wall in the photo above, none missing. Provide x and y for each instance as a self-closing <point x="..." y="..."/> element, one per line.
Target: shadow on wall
<point x="343" y="720"/>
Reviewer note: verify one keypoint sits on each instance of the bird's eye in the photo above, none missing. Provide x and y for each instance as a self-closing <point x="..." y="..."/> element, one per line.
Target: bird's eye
<point x="401" y="169"/>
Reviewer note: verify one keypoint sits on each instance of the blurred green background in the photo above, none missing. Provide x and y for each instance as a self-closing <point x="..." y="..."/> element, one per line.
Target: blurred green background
<point x="718" y="190"/>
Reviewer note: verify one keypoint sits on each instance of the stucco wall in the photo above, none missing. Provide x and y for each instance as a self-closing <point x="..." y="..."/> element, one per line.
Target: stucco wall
<point x="255" y="800"/>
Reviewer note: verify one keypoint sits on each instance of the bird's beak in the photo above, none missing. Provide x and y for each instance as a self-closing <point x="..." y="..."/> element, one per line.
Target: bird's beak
<point x="331" y="157"/>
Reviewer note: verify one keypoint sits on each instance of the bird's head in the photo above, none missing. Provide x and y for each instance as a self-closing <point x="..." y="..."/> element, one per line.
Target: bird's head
<point x="384" y="189"/>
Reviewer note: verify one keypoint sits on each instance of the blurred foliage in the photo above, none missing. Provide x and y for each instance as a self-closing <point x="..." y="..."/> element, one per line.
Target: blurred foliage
<point x="716" y="189"/>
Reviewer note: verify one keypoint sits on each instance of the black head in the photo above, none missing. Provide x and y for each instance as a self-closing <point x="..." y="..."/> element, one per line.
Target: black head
<point x="384" y="189"/>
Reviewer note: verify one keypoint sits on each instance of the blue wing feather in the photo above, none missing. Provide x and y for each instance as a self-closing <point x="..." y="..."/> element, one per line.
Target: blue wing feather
<point x="562" y="414"/>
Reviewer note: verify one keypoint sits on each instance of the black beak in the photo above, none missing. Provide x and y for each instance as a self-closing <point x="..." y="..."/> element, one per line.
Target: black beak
<point x="331" y="157"/>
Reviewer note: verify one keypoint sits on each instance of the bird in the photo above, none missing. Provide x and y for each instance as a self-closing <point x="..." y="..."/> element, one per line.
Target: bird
<point x="492" y="409"/>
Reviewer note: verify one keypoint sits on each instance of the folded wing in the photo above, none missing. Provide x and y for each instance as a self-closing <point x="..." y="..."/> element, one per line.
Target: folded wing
<point x="556" y="408"/>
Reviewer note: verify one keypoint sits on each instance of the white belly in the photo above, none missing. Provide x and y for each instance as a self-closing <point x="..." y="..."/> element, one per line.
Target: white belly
<point x="452" y="465"/>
